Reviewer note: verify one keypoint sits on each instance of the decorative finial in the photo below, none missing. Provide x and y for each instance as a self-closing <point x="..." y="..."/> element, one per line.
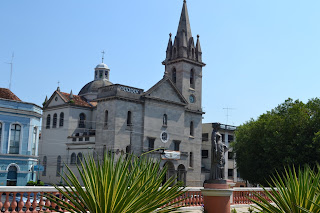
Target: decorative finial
<point x="170" y="34"/>
<point x="102" y="55"/>
<point x="198" y="36"/>
<point x="58" y="88"/>
<point x="71" y="95"/>
<point x="184" y="1"/>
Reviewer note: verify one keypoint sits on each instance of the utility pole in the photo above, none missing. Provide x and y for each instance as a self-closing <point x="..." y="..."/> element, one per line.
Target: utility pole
<point x="11" y="68"/>
<point x="227" y="108"/>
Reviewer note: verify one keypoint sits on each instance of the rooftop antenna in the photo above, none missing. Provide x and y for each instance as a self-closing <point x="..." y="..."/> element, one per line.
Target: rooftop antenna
<point x="227" y="108"/>
<point x="102" y="55"/>
<point x="11" y="65"/>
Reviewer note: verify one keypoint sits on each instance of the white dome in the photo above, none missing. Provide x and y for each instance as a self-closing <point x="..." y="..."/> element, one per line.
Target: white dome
<point x="102" y="65"/>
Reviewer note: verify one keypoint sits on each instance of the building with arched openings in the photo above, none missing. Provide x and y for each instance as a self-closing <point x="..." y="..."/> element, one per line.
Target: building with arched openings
<point x="119" y="118"/>
<point x="19" y="138"/>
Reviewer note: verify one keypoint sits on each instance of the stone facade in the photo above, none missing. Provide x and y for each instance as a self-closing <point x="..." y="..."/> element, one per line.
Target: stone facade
<point x="119" y="118"/>
<point x="19" y="138"/>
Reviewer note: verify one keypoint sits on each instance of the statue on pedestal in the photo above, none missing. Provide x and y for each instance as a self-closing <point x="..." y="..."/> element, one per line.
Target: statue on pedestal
<point x="218" y="149"/>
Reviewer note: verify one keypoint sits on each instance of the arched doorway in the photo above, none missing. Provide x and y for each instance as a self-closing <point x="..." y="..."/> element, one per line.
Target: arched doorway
<point x="182" y="173"/>
<point x="12" y="176"/>
<point x="170" y="171"/>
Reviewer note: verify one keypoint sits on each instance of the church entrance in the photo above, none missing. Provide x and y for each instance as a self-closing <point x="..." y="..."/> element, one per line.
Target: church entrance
<point x="170" y="171"/>
<point x="12" y="176"/>
<point x="182" y="174"/>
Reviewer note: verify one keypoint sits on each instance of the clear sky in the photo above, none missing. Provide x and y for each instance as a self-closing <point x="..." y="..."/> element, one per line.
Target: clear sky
<point x="258" y="52"/>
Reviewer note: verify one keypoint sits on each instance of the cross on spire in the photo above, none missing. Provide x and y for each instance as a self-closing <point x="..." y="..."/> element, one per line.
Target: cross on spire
<point x="102" y="55"/>
<point x="58" y="83"/>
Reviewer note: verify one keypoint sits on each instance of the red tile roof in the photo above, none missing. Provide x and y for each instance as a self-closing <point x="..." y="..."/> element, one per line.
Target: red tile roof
<point x="7" y="94"/>
<point x="78" y="100"/>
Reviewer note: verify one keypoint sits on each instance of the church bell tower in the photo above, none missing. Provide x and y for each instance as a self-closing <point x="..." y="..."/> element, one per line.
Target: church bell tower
<point x="183" y="63"/>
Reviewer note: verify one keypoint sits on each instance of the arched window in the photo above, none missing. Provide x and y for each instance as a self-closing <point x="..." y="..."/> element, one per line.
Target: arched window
<point x="33" y="147"/>
<point x="54" y="122"/>
<point x="192" y="78"/>
<point x="82" y="120"/>
<point x="174" y="75"/>
<point x="106" y="117"/>
<point x="192" y="53"/>
<point x="15" y="139"/>
<point x="129" y="118"/>
<point x="191" y="129"/>
<point x="58" y="172"/>
<point x="12" y="176"/>
<point x="73" y="158"/>
<point x="79" y="158"/>
<point x="61" y="121"/>
<point x="165" y="120"/>
<point x="48" y="121"/>
<point x="44" y="163"/>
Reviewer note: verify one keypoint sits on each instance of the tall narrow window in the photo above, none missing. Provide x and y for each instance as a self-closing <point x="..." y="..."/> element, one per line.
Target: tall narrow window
<point x="73" y="158"/>
<point x="151" y="144"/>
<point x="33" y="147"/>
<point x="192" y="78"/>
<point x="176" y="145"/>
<point x="61" y="121"/>
<point x="15" y="139"/>
<point x="48" y="121"/>
<point x="82" y="120"/>
<point x="58" y="172"/>
<point x="191" y="129"/>
<point x="165" y="120"/>
<point x="191" y="160"/>
<point x="106" y="117"/>
<point x="79" y="158"/>
<point x="129" y="118"/>
<point x="174" y="75"/>
<point x="0" y="133"/>
<point x="44" y="163"/>
<point x="54" y="122"/>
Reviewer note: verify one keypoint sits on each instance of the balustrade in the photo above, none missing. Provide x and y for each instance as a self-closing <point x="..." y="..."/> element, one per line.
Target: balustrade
<point x="31" y="199"/>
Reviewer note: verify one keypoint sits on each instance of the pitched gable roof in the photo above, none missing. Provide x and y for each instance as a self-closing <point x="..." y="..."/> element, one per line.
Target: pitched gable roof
<point x="7" y="94"/>
<point x="76" y="100"/>
<point x="165" y="97"/>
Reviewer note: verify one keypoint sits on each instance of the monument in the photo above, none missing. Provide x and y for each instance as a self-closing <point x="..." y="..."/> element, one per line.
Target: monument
<point x="216" y="191"/>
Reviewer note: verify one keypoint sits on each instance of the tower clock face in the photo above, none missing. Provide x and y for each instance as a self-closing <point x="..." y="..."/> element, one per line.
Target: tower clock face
<point x="191" y="99"/>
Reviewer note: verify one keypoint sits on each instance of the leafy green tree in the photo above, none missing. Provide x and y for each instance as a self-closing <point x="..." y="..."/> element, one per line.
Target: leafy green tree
<point x="129" y="184"/>
<point x="285" y="136"/>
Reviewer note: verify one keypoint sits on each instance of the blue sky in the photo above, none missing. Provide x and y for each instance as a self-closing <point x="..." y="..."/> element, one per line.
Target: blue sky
<point x="258" y="52"/>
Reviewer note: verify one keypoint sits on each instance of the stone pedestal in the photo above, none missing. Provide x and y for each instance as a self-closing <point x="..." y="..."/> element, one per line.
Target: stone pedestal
<point x="216" y="196"/>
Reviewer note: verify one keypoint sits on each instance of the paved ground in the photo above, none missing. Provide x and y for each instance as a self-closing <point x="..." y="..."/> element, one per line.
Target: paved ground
<point x="240" y="209"/>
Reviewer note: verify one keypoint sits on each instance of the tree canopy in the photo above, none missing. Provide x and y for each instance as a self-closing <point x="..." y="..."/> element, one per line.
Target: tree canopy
<point x="285" y="136"/>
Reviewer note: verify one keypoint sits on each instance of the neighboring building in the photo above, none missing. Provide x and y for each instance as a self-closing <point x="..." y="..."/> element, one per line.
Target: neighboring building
<point x="123" y="119"/>
<point x="19" y="137"/>
<point x="227" y="133"/>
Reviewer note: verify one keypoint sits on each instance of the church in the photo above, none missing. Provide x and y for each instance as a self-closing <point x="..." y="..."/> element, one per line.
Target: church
<point x="165" y="120"/>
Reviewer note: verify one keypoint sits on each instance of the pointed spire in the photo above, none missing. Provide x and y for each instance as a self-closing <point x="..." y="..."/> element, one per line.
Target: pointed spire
<point x="45" y="100"/>
<point x="184" y="23"/>
<point x="71" y="95"/>
<point x="169" y="48"/>
<point x="198" y="50"/>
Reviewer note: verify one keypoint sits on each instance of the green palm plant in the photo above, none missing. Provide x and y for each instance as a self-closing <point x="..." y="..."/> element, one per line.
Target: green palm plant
<point x="291" y="193"/>
<point x="129" y="184"/>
